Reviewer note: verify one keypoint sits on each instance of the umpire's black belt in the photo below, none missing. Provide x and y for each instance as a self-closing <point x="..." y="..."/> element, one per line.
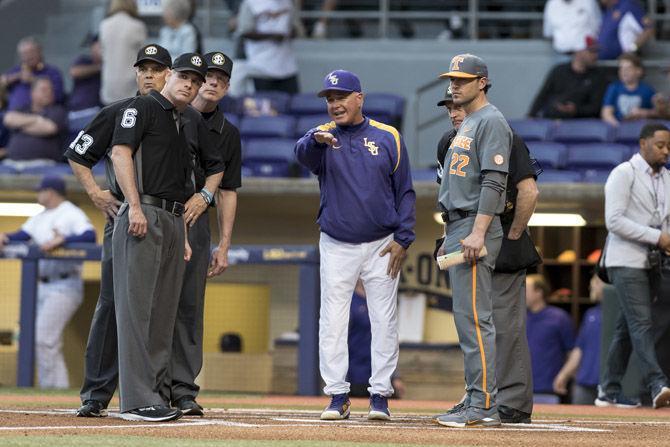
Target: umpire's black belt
<point x="450" y="216"/>
<point x="175" y="208"/>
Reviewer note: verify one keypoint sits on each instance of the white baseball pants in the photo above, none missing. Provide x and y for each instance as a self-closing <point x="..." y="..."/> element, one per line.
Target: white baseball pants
<point x="341" y="266"/>
<point x="57" y="301"/>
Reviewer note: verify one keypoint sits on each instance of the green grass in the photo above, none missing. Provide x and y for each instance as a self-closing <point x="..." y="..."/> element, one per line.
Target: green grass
<point x="145" y="441"/>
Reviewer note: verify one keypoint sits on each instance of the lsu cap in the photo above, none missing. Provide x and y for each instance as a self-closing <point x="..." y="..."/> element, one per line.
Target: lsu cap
<point x="219" y="61"/>
<point x="192" y="62"/>
<point x="155" y="53"/>
<point x="340" y="80"/>
<point x="447" y="98"/>
<point x="466" y="66"/>
<point x="52" y="182"/>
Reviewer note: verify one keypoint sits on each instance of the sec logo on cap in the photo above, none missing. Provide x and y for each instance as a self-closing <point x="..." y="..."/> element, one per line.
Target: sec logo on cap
<point x="151" y="50"/>
<point x="218" y="59"/>
<point x="195" y="60"/>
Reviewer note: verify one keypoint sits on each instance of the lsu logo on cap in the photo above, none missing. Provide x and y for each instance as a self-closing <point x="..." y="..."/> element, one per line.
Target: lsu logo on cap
<point x="195" y="60"/>
<point x="333" y="79"/>
<point x="151" y="50"/>
<point x="218" y="59"/>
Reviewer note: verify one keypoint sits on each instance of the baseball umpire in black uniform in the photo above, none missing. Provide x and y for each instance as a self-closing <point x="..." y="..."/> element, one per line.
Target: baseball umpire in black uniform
<point x="517" y="253"/>
<point x="152" y="165"/>
<point x="90" y="147"/>
<point x="186" y="360"/>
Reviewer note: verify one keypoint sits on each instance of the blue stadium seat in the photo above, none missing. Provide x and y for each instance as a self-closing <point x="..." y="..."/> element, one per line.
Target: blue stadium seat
<point x="271" y="158"/>
<point x="382" y="105"/>
<point x="595" y="175"/>
<point x="582" y="131"/>
<point x="424" y="175"/>
<point x="265" y="103"/>
<point x="596" y="155"/>
<point x="548" y="154"/>
<point x="628" y="132"/>
<point x="307" y="122"/>
<point x="57" y="169"/>
<point x="78" y="119"/>
<point x="307" y="104"/>
<point x="532" y="129"/>
<point x="559" y="176"/>
<point x="4" y="169"/>
<point x="281" y="126"/>
<point x="230" y="104"/>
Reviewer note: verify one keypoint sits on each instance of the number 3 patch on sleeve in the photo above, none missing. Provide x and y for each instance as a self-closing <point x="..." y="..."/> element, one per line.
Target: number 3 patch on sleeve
<point x="129" y="118"/>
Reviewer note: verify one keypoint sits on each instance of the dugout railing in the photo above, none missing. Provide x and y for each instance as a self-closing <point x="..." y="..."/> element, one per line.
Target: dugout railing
<point x="305" y="257"/>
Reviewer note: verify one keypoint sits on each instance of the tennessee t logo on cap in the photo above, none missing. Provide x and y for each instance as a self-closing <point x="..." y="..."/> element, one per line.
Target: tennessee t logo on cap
<point x="340" y="80"/>
<point x="466" y="66"/>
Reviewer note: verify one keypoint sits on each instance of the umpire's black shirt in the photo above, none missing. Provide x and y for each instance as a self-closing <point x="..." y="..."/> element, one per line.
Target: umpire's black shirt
<point x="161" y="155"/>
<point x="227" y="138"/>
<point x="93" y="143"/>
<point x="206" y="158"/>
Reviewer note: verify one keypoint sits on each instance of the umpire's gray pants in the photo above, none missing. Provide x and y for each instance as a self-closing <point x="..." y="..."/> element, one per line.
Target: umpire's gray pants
<point x="186" y="360"/>
<point x="514" y="375"/>
<point x="101" y="367"/>
<point x="473" y="310"/>
<point x="148" y="274"/>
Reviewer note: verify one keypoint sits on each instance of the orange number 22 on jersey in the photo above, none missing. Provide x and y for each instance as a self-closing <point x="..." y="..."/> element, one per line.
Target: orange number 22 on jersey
<point x="462" y="160"/>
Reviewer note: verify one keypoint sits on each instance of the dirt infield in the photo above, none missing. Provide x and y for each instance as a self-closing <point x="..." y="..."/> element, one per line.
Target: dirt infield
<point x="282" y="418"/>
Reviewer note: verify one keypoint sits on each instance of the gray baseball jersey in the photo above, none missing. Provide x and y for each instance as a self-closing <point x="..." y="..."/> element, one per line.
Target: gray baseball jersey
<point x="482" y="143"/>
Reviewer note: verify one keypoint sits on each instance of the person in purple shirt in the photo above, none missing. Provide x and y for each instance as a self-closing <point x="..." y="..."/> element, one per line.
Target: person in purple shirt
<point x="85" y="72"/>
<point x="36" y="131"/>
<point x="18" y="79"/>
<point x="625" y="28"/>
<point x="583" y="363"/>
<point x="367" y="217"/>
<point x="550" y="336"/>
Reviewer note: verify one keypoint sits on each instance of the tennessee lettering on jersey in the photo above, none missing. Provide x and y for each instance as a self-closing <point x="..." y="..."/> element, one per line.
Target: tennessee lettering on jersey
<point x="462" y="142"/>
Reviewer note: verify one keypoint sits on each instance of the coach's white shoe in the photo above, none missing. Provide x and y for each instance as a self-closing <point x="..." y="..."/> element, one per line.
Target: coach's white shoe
<point x="662" y="398"/>
<point x="338" y="408"/>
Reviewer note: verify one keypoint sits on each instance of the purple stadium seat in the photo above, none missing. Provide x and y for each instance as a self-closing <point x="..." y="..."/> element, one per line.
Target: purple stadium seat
<point x="271" y="157"/>
<point x="628" y="132"/>
<point x="78" y="119"/>
<point x="307" y="104"/>
<point x="230" y="104"/>
<point x="281" y="126"/>
<point x="595" y="175"/>
<point x="424" y="175"/>
<point x="307" y="122"/>
<point x="582" y="131"/>
<point x="7" y="170"/>
<point x="532" y="129"/>
<point x="559" y="176"/>
<point x="265" y="103"/>
<point x="548" y="154"/>
<point x="596" y="155"/>
<point x="379" y="106"/>
<point x="57" y="169"/>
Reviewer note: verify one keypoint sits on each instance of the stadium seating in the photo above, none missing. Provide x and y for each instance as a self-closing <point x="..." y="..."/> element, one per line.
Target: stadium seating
<point x="559" y="176"/>
<point x="628" y="132"/>
<point x="596" y="155"/>
<point x="307" y="104"/>
<point x="532" y="129"/>
<point x="308" y="122"/>
<point x="385" y="107"/>
<point x="233" y="119"/>
<point x="582" y="131"/>
<point x="282" y="126"/>
<point x="265" y="103"/>
<point x="424" y="175"/>
<point x="230" y="104"/>
<point x="595" y="175"/>
<point x="548" y="154"/>
<point x="271" y="158"/>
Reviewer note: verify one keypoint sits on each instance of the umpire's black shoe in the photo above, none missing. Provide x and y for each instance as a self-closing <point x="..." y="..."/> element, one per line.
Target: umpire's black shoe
<point x="188" y="406"/>
<point x="92" y="409"/>
<point x="157" y="413"/>
<point x="512" y="415"/>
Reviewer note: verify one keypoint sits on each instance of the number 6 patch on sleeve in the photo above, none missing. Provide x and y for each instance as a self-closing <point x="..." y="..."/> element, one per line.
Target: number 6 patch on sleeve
<point x="129" y="118"/>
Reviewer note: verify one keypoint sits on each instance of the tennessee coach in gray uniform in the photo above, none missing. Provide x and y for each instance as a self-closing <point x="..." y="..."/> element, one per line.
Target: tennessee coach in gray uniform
<point x="471" y="196"/>
<point x="90" y="147"/>
<point x="186" y="360"/>
<point x="152" y="166"/>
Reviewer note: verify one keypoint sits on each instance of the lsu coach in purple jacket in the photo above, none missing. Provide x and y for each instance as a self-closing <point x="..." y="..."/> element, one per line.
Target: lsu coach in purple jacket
<point x="367" y="223"/>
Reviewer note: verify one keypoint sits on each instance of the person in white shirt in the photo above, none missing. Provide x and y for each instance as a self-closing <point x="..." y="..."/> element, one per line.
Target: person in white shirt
<point x="178" y="35"/>
<point x="122" y="35"/>
<point x="637" y="215"/>
<point x="568" y="22"/>
<point x="60" y="287"/>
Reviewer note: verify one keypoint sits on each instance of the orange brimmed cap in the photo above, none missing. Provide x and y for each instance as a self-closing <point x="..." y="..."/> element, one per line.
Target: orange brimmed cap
<point x="466" y="66"/>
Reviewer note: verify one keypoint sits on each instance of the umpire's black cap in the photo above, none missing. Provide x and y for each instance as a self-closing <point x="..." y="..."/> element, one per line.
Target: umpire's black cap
<point x="192" y="62"/>
<point x="216" y="60"/>
<point x="154" y="53"/>
<point x="448" y="99"/>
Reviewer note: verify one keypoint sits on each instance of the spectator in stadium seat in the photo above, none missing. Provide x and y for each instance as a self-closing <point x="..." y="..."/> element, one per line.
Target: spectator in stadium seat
<point x="568" y="35"/>
<point x="628" y="98"/>
<point x="625" y="28"/>
<point x="583" y="362"/>
<point x="122" y="34"/>
<point x="85" y="73"/>
<point x="177" y="35"/>
<point x="18" y="79"/>
<point x="574" y="89"/>
<point x="550" y="338"/>
<point x="36" y="132"/>
<point x="267" y="27"/>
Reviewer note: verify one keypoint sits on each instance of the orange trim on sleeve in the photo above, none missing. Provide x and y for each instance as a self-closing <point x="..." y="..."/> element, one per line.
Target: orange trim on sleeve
<point x="479" y="333"/>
